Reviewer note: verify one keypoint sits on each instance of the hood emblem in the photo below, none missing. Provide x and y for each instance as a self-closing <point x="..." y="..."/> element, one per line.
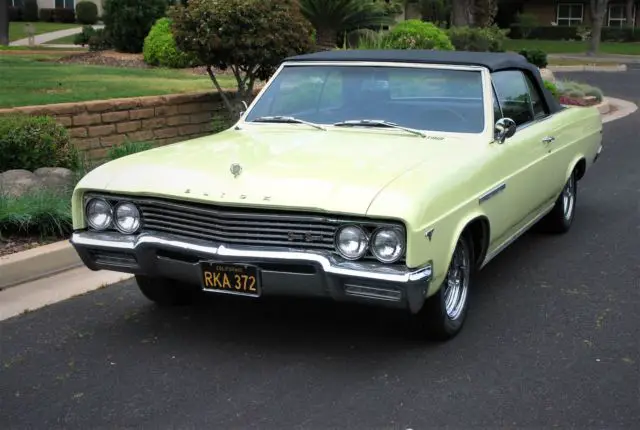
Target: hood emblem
<point x="235" y="169"/>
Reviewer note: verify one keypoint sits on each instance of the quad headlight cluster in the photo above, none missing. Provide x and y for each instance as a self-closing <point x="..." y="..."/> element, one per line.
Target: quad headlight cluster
<point x="102" y="215"/>
<point x="387" y="244"/>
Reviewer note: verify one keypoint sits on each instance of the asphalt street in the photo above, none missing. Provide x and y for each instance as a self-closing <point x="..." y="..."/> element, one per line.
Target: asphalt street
<point x="553" y="339"/>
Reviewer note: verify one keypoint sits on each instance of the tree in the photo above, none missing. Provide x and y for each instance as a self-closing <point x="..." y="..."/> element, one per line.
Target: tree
<point x="598" y="11"/>
<point x="4" y="22"/>
<point x="128" y="21"/>
<point x="479" y="13"/>
<point x="332" y="17"/>
<point x="629" y="13"/>
<point x="248" y="37"/>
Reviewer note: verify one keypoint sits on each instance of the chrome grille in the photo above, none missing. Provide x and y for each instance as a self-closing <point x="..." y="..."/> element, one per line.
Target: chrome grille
<point x="238" y="226"/>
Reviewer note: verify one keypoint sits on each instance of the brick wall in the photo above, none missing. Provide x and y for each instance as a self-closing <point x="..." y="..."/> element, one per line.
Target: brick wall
<point x="95" y="126"/>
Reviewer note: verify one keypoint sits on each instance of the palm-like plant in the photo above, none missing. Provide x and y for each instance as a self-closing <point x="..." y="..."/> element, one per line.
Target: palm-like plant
<point x="331" y="17"/>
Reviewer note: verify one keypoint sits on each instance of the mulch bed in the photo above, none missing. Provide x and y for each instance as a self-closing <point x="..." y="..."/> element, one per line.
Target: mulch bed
<point x="11" y="245"/>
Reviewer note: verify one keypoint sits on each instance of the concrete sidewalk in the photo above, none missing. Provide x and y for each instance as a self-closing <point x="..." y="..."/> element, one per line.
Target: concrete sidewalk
<point x="51" y="36"/>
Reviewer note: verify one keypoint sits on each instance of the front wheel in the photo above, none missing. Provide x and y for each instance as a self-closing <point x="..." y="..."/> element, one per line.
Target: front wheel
<point x="560" y="218"/>
<point x="444" y="313"/>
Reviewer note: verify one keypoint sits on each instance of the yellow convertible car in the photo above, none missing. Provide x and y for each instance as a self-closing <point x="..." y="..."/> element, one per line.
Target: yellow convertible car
<point x="380" y="177"/>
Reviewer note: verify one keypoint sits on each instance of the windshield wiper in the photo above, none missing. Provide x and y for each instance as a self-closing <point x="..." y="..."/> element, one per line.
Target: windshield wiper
<point x="377" y="123"/>
<point x="287" y="119"/>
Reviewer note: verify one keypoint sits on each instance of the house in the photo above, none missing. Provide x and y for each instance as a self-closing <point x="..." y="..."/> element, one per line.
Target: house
<point x="576" y="12"/>
<point x="61" y="4"/>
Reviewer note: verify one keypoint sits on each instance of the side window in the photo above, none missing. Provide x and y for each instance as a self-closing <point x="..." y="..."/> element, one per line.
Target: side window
<point x="513" y="95"/>
<point x="537" y="102"/>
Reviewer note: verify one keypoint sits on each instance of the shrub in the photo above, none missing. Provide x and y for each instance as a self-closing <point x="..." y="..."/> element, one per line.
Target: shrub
<point x="553" y="88"/>
<point x="478" y="39"/>
<point x="127" y="148"/>
<point x="357" y="37"/>
<point x="100" y="40"/>
<point x="83" y="37"/>
<point x="31" y="142"/>
<point x="30" y="10"/>
<point x="129" y="21"/>
<point x="87" y="12"/>
<point x="46" y="14"/>
<point x="527" y="23"/>
<point x="160" y="47"/>
<point x="537" y="57"/>
<point x="41" y="213"/>
<point x="577" y="90"/>
<point x="15" y="14"/>
<point x="250" y="37"/>
<point x="415" y="34"/>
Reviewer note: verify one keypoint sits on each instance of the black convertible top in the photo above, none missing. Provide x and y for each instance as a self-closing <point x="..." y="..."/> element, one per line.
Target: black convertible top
<point x="494" y="61"/>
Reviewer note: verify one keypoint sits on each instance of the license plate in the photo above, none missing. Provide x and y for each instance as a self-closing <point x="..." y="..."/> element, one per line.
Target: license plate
<point x="231" y="278"/>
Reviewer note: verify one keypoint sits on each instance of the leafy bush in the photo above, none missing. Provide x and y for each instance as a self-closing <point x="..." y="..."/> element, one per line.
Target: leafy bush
<point x="553" y="88"/>
<point x="129" y="21"/>
<point x="57" y="15"/>
<point x="41" y="213"/>
<point x="357" y="37"/>
<point x="250" y="37"/>
<point x="30" y="10"/>
<point x="578" y="90"/>
<point x="486" y="39"/>
<point x="415" y="34"/>
<point x="46" y="14"/>
<point x="160" y="47"/>
<point x="87" y="12"/>
<point x="100" y="40"/>
<point x="527" y="23"/>
<point x="15" y="14"/>
<point x="127" y="148"/>
<point x="31" y="142"/>
<point x="83" y="37"/>
<point x="537" y="57"/>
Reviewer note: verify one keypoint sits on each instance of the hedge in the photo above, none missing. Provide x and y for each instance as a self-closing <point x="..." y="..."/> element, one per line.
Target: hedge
<point x="559" y="32"/>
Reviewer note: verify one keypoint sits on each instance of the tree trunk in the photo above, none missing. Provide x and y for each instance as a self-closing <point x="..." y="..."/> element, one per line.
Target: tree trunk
<point x="4" y="22"/>
<point x="598" y="10"/>
<point x="462" y="12"/>
<point x="629" y="13"/>
<point x="326" y="38"/>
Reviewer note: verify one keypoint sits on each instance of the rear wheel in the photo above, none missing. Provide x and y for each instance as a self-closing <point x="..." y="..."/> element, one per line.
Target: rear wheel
<point x="166" y="292"/>
<point x="560" y="218"/>
<point x="444" y="313"/>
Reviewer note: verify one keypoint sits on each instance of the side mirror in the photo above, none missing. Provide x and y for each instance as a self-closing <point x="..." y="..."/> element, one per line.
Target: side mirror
<point x="504" y="129"/>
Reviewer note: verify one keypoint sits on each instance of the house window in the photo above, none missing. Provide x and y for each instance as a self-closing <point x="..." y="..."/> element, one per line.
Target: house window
<point x="16" y="3"/>
<point x="617" y="16"/>
<point x="570" y="14"/>
<point x="65" y="4"/>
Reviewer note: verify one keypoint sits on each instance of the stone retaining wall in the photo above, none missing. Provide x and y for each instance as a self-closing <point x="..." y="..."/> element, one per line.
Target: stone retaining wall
<point x="95" y="126"/>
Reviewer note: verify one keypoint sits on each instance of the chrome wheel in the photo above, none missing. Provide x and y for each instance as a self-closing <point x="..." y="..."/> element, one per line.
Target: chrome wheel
<point x="456" y="284"/>
<point x="569" y="198"/>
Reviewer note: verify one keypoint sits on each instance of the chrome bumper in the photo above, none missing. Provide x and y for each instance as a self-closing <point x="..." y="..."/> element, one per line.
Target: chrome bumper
<point x="283" y="271"/>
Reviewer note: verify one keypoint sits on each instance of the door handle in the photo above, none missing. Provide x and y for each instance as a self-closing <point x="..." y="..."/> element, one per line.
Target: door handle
<point x="548" y="139"/>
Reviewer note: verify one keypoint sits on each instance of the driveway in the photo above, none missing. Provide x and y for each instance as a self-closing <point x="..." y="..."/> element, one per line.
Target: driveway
<point x="552" y="340"/>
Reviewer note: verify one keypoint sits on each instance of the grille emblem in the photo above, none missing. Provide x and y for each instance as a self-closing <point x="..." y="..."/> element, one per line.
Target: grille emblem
<point x="235" y="169"/>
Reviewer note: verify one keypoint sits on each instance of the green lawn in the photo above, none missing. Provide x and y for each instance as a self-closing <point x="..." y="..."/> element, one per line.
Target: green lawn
<point x="572" y="47"/>
<point x="68" y="40"/>
<point x="16" y="29"/>
<point x="32" y="80"/>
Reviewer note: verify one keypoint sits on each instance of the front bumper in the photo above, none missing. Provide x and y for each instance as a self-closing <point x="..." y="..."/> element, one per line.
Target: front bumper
<point x="283" y="271"/>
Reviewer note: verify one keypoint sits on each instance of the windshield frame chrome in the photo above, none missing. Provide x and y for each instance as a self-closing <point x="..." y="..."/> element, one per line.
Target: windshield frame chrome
<point x="487" y="94"/>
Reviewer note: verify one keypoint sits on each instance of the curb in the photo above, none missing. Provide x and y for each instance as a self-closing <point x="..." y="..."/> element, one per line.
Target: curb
<point x="36" y="263"/>
<point x="604" y="107"/>
<point x="588" y="68"/>
<point x="623" y="108"/>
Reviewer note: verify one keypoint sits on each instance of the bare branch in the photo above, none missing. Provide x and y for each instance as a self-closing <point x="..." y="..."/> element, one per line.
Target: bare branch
<point x="225" y="99"/>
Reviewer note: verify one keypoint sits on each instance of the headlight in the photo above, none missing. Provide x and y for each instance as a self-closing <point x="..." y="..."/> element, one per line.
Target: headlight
<point x="127" y="217"/>
<point x="388" y="244"/>
<point x="352" y="242"/>
<point x="99" y="214"/>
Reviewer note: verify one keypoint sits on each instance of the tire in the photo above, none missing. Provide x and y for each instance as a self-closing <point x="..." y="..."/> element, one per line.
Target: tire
<point x="560" y="219"/>
<point x="445" y="312"/>
<point x="166" y="292"/>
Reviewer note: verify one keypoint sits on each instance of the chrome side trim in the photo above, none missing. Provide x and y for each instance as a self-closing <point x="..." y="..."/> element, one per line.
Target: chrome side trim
<point x="516" y="235"/>
<point x="491" y="193"/>
<point x="328" y="262"/>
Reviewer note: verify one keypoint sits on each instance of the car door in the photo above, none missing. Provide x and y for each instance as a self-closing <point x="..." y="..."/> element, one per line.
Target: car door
<point x="520" y="162"/>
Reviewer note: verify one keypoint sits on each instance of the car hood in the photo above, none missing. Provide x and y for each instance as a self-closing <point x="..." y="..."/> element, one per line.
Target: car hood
<point x="339" y="170"/>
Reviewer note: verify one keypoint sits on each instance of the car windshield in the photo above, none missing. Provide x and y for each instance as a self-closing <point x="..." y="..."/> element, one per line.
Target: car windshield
<point x="434" y="99"/>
